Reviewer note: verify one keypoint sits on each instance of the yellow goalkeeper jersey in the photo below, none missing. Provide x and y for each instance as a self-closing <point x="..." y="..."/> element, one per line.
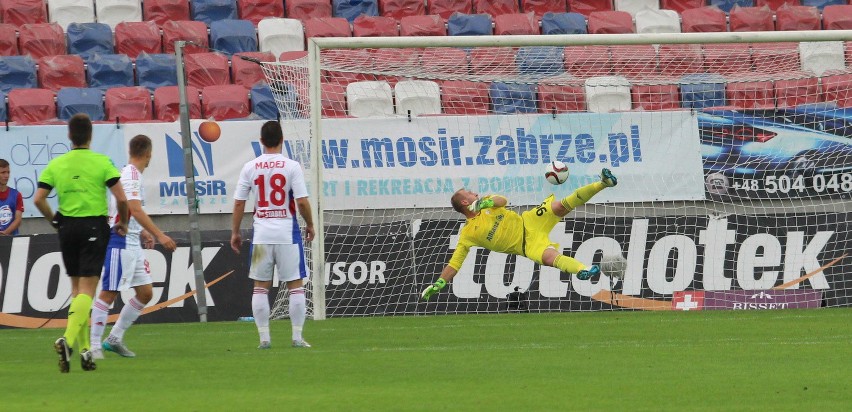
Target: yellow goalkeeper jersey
<point x="497" y="229"/>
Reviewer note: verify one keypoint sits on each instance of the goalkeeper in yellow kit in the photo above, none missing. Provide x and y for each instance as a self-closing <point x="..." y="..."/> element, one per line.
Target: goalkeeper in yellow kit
<point x="490" y="225"/>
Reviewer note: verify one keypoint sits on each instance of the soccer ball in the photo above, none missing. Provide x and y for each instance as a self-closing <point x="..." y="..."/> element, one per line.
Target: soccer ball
<point x="556" y="172"/>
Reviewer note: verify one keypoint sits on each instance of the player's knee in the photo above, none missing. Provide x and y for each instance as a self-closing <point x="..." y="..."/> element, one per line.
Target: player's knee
<point x="144" y="295"/>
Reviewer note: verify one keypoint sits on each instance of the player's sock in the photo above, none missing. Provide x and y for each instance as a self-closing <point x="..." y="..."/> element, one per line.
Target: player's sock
<point x="298" y="311"/>
<point x="129" y="313"/>
<point x="100" y="312"/>
<point x="78" y="319"/>
<point x="568" y="264"/>
<point x="582" y="195"/>
<point x="260" y="310"/>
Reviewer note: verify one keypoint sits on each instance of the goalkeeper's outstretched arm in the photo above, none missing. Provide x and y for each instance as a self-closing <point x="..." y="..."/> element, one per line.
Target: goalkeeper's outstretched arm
<point x="446" y="277"/>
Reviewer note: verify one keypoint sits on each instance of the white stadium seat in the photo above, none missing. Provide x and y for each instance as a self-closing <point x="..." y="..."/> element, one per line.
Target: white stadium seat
<point x="418" y="96"/>
<point x="657" y="21"/>
<point x="65" y="12"/>
<point x="820" y="57"/>
<point x="635" y="6"/>
<point x="278" y="35"/>
<point x="112" y="12"/>
<point x="369" y="99"/>
<point x="606" y="94"/>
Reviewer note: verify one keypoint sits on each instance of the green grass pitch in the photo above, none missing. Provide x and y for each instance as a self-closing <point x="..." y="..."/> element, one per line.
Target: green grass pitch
<point x="792" y="360"/>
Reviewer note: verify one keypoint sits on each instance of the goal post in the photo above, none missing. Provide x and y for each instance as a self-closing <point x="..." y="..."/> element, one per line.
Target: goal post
<point x="732" y="151"/>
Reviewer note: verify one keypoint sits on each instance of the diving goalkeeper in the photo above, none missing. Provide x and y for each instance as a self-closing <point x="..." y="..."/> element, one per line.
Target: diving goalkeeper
<point x="490" y="225"/>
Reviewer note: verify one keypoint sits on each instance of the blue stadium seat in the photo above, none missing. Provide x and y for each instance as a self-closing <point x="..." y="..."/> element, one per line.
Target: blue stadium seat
<point x="208" y="11"/>
<point x="3" y="113"/>
<point x="727" y="5"/>
<point x="563" y="23"/>
<point x="17" y="72"/>
<point x="156" y="70"/>
<point x="469" y="25"/>
<point x="698" y="91"/>
<point x="508" y="98"/>
<point x="820" y="4"/>
<point x="262" y="102"/>
<point x="109" y="70"/>
<point x="350" y="9"/>
<point x="73" y="100"/>
<point x="233" y="36"/>
<point x="540" y="60"/>
<point x="86" y="39"/>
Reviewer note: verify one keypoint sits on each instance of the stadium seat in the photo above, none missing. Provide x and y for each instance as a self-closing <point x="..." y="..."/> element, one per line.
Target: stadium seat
<point x="792" y="91"/>
<point x="263" y="102"/>
<point x="397" y="59"/>
<point x="327" y="27"/>
<point x="469" y="25"/>
<point x="821" y="4"/>
<point x="797" y="18"/>
<point x="208" y="11"/>
<point x="751" y="19"/>
<point x="247" y="73"/>
<point x="4" y="114"/>
<point x="86" y="39"/>
<point x="207" y="69"/>
<point x="610" y="22"/>
<point x="257" y="10"/>
<point x="727" y="58"/>
<point x="8" y="40"/>
<point x="417" y="96"/>
<point x="821" y="57"/>
<point x="134" y="38"/>
<point x="44" y="39"/>
<point x="109" y="70"/>
<point x="73" y="100"/>
<point x="375" y="26"/>
<point x="606" y="94"/>
<point x="657" y="21"/>
<point x="167" y="103"/>
<point x="334" y="100"/>
<point x="563" y="23"/>
<point x="681" y="5"/>
<point x="352" y="58"/>
<point x="462" y="97"/>
<point x="31" y="106"/>
<point x="17" y="72"/>
<point x="495" y="8"/>
<point x="698" y="91"/>
<point x="751" y="94"/>
<point x="776" y="4"/>
<point x="587" y="7"/>
<point x="233" y="36"/>
<point x="161" y="11"/>
<point x="679" y="59"/>
<point x="728" y="5"/>
<point x="20" y="12"/>
<point x="446" y="8"/>
<point x="128" y="104"/>
<point x="635" y="6"/>
<point x="837" y="17"/>
<point x="225" y="102"/>
<point x="655" y="97"/>
<point x="561" y="98"/>
<point x="308" y="9"/>
<point x="703" y="19"/>
<point x="112" y="12"/>
<point x="492" y="61"/>
<point x="431" y="25"/>
<point x="398" y="9"/>
<point x="542" y="7"/>
<point x="540" y="60"/>
<point x="350" y="9"/>
<point x="280" y="35"/>
<point x="771" y="58"/>
<point x="194" y="31"/>
<point x="442" y="61"/>
<point x="631" y="61"/>
<point x="510" y="98"/>
<point x="369" y="99"/>
<point x="516" y="24"/>
<point x="65" y="12"/>
<point x="292" y="55"/>
<point x="587" y="61"/>
<point x="156" y="70"/>
<point x="56" y="72"/>
<point x="838" y="88"/>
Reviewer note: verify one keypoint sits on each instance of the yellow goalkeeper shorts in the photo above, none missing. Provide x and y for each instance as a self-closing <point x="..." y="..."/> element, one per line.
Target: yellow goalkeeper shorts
<point x="538" y="223"/>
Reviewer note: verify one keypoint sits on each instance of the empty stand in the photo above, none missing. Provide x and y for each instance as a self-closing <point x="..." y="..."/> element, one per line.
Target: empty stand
<point x="698" y="91"/>
<point x="308" y="9"/>
<point x="587" y="7"/>
<point x="161" y="11"/>
<point x="422" y="26"/>
<point x="263" y="102"/>
<point x="796" y="90"/>
<point x="167" y="103"/>
<point x="680" y="59"/>
<point x="333" y="100"/>
<point x="109" y="70"/>
<point x="446" y="8"/>
<point x="280" y="35"/>
<point x="369" y="99"/>
<point x="606" y="94"/>
<point x="417" y="97"/>
<point x="208" y="11"/>
<point x="516" y="24"/>
<point x="56" y="72"/>
<point x="233" y="36"/>
<point x="73" y="100"/>
<point x="194" y="31"/>
<point x="375" y="26"/>
<point x="20" y="12"/>
<point x="751" y="95"/>
<point x="751" y="19"/>
<point x="563" y="23"/>
<point x="821" y="4"/>
<point x="631" y="61"/>
<point x="469" y="25"/>
<point x="257" y="10"/>
<point x="776" y="4"/>
<point x="657" y="21"/>
<point x="112" y="12"/>
<point x="31" y="106"/>
<point x="635" y="6"/>
<point x="655" y="96"/>
<point x="134" y="38"/>
<point x="462" y="97"/>
<point x="561" y="98"/>
<point x="821" y="57"/>
<point x="65" y="12"/>
<point x="610" y="22"/>
<point x="17" y="72"/>
<point x="771" y="58"/>
<point x="225" y="102"/>
<point x="681" y="5"/>
<point x="541" y="7"/>
<point x="509" y="98"/>
<point x="128" y="104"/>
<point x="703" y="19"/>
<point x="587" y="61"/>
<point x="728" y="5"/>
<point x="797" y="18"/>
<point x="727" y="59"/>
<point x="350" y="9"/>
<point x="44" y="39"/>
<point x="837" y="17"/>
<point x="492" y="61"/>
<point x="540" y="60"/>
<point x="207" y="69"/>
<point x="86" y="39"/>
<point x="327" y="27"/>
<point x="444" y="60"/>
<point x="8" y="40"/>
<point x="247" y="73"/>
<point x="838" y="88"/>
<point x="398" y="9"/>
<point x="156" y="70"/>
<point x="496" y="7"/>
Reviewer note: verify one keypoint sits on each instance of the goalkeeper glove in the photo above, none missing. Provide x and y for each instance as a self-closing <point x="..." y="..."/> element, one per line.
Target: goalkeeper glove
<point x="480" y="204"/>
<point x="433" y="289"/>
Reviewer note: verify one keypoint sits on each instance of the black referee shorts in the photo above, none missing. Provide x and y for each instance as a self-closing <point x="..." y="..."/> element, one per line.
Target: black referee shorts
<point x="83" y="242"/>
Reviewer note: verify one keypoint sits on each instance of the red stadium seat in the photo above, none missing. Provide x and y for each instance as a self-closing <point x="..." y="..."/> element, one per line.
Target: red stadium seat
<point x="634" y="60"/>
<point x="681" y="5"/>
<point x="679" y="59"/>
<point x="446" y="8"/>
<point x="587" y="61"/>
<point x="207" y="69"/>
<point x="587" y="7"/>
<point x="462" y="97"/>
<point x="8" y="40"/>
<point x="771" y="58"/>
<point x="835" y="88"/>
<point x="133" y="38"/>
<point x="561" y="98"/>
<point x="703" y="19"/>
<point x="308" y="9"/>
<point x="292" y="55"/>
<point x="56" y="72"/>
<point x="539" y="7"/>
<point x="194" y="31"/>
<point x="247" y="73"/>
<point x="327" y="27"/>
<point x="795" y="91"/>
<point x="610" y="22"/>
<point x="431" y="25"/>
<point x="358" y="58"/>
<point x="42" y="39"/>
<point x="225" y="102"/>
<point x="797" y="18"/>
<point x="161" y="11"/>
<point x="127" y="104"/>
<point x="443" y="60"/>
<point x="751" y="19"/>
<point x="655" y="97"/>
<point x="20" y="12"/>
<point x="727" y="58"/>
<point x="333" y="100"/>
<point x="496" y="7"/>
<point x="837" y="17"/>
<point x="374" y="26"/>
<point x="751" y="95"/>
<point x="398" y="9"/>
<point x="394" y="59"/>
<point x="776" y="4"/>
<point x="167" y="103"/>
<point x="516" y="23"/>
<point x="257" y="10"/>
<point x="493" y="60"/>
<point x="31" y="106"/>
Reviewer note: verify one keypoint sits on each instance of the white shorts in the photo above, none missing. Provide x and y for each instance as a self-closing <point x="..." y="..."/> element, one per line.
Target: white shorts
<point x="288" y="259"/>
<point x="125" y="269"/>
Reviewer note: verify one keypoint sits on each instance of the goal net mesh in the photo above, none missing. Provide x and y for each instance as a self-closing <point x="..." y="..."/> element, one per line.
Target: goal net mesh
<point x="733" y="162"/>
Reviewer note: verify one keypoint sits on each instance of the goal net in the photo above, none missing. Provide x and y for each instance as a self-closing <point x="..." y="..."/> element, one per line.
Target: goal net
<point x="732" y="153"/>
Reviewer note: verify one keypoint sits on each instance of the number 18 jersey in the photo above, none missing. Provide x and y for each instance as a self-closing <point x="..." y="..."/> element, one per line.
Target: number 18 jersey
<point x="276" y="181"/>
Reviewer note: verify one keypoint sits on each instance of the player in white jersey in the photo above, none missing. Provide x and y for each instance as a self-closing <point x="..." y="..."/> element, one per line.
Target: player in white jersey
<point x="125" y="266"/>
<point x="278" y="185"/>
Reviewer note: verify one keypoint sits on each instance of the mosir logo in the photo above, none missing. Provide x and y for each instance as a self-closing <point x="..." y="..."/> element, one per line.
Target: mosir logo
<point x="210" y="191"/>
